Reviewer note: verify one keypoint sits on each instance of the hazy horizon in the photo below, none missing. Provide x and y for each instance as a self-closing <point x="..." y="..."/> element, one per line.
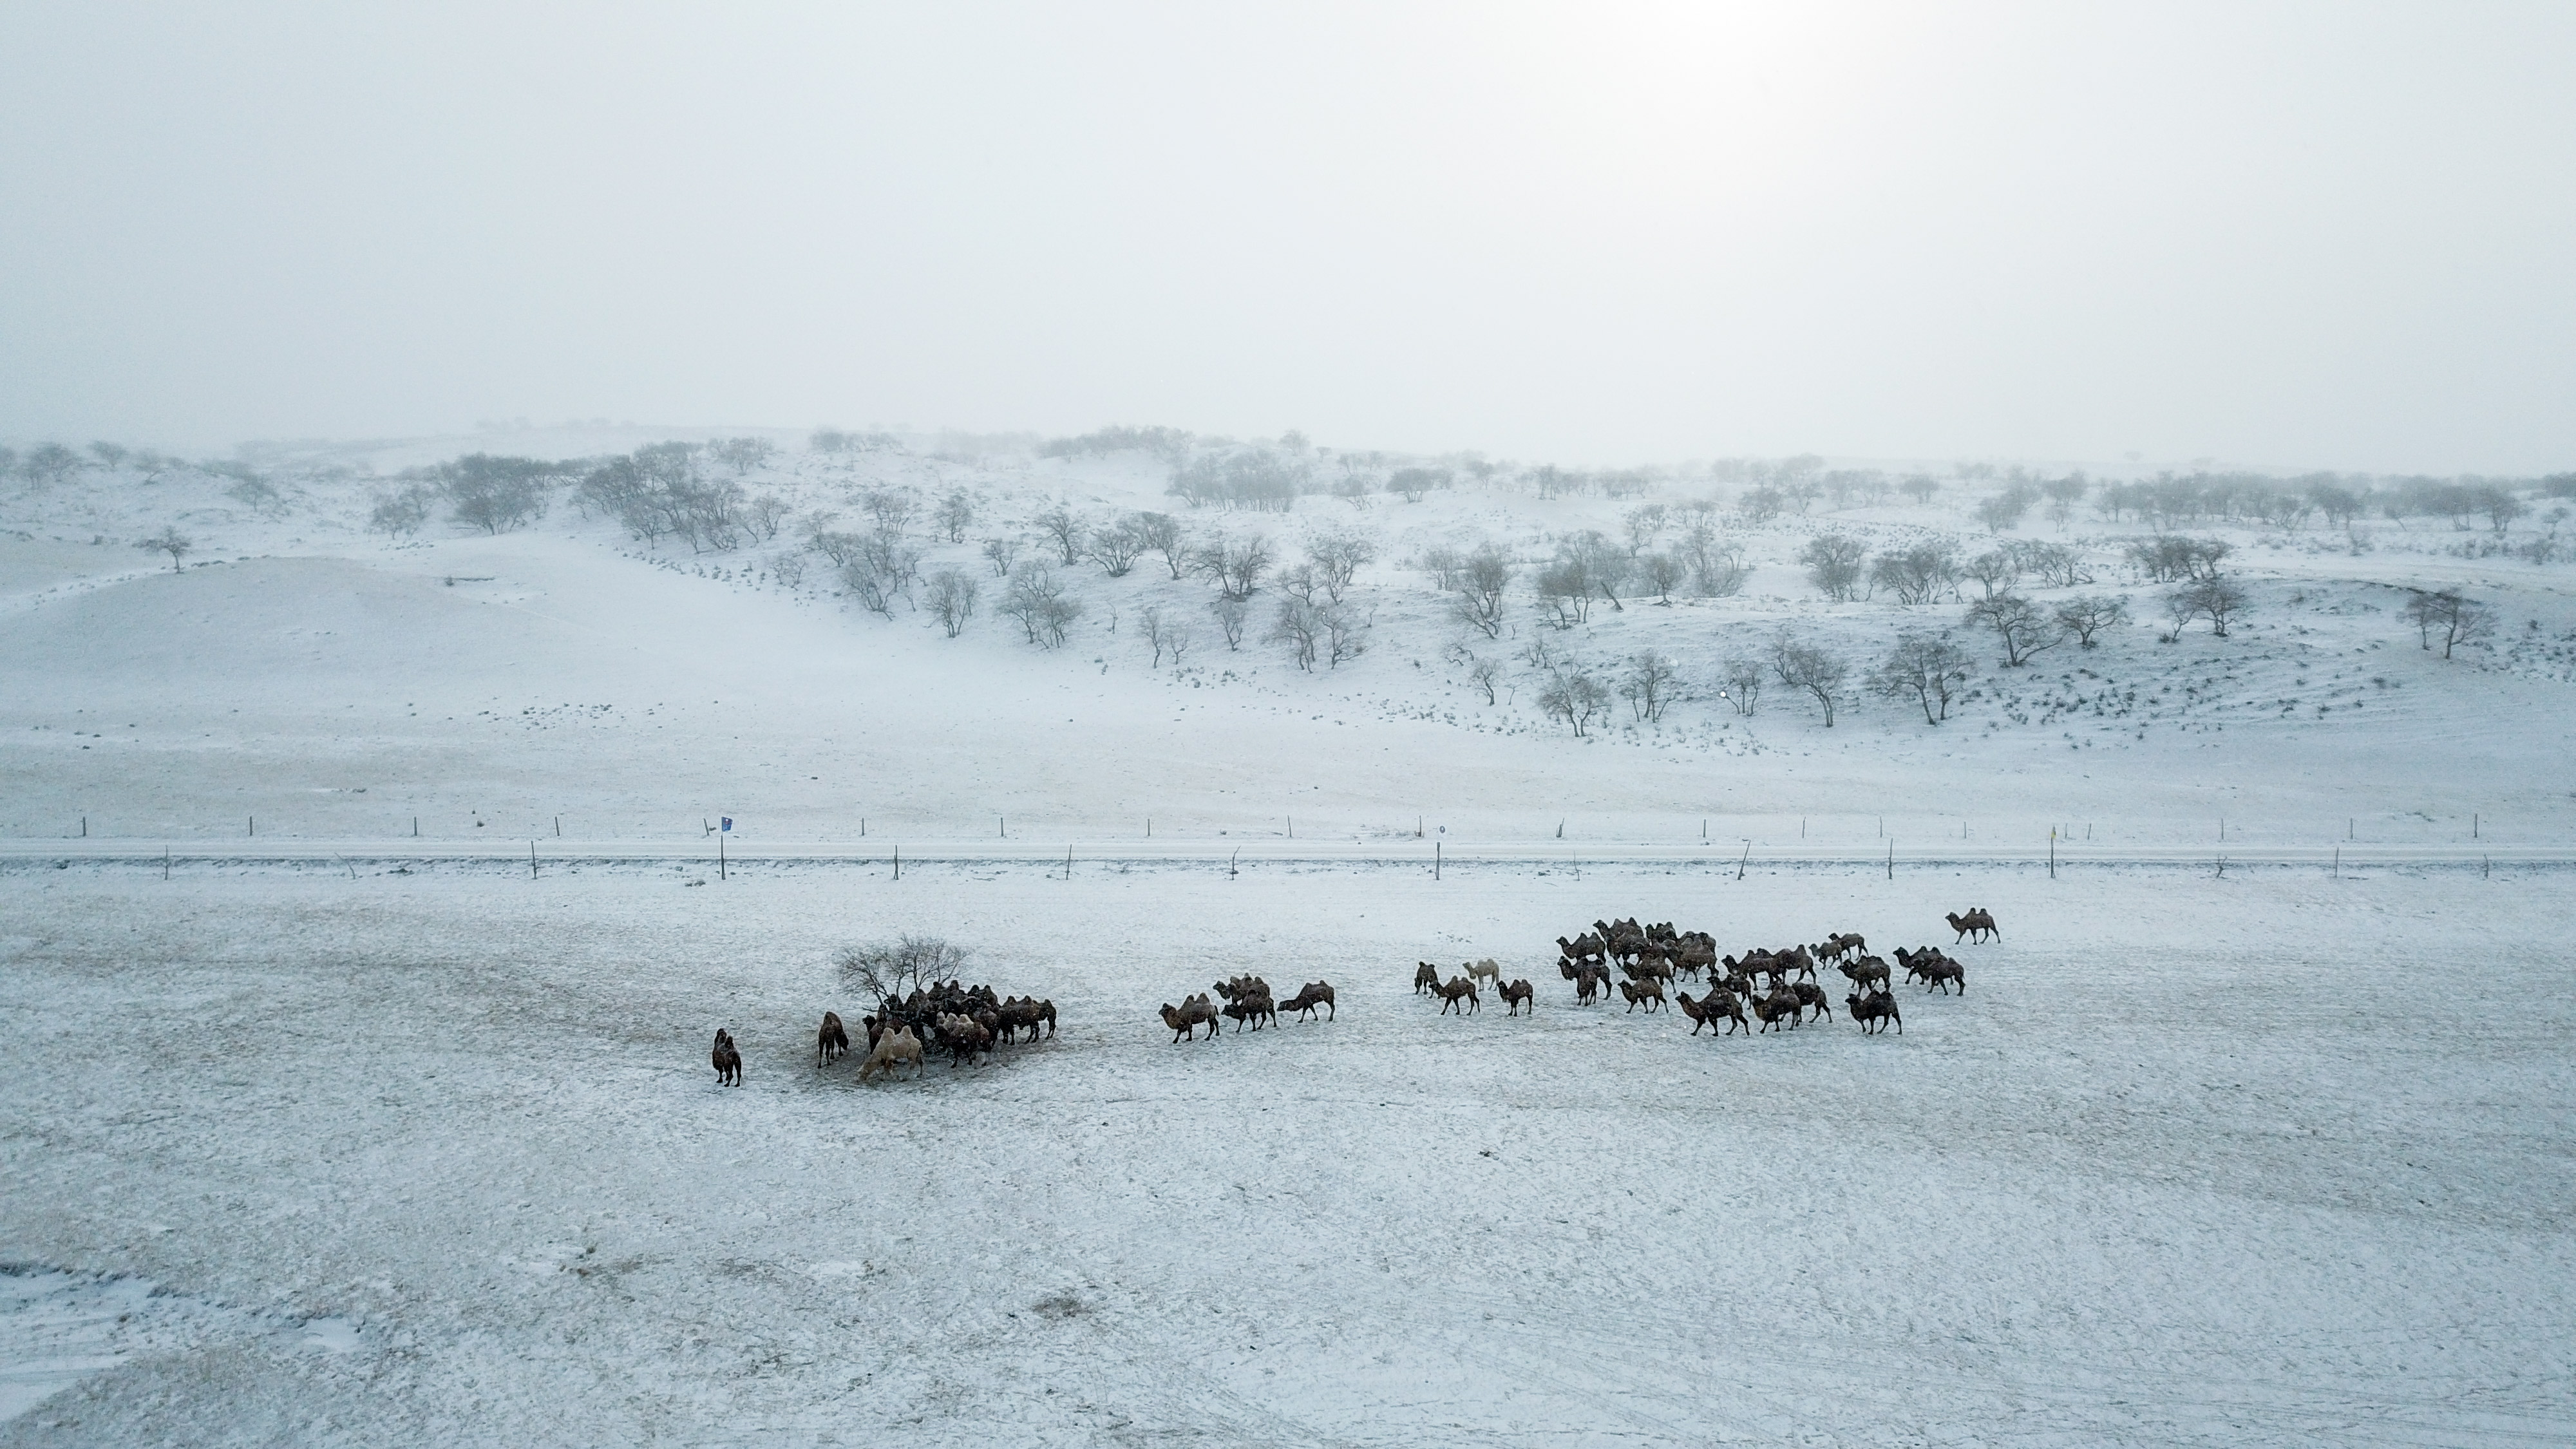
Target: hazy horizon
<point x="2280" y="235"/>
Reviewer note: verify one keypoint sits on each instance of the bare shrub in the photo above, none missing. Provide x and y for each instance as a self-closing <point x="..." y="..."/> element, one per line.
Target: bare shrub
<point x="896" y="968"/>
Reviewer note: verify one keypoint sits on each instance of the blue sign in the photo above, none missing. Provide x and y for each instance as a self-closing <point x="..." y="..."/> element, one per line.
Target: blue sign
<point x="728" y="821"/>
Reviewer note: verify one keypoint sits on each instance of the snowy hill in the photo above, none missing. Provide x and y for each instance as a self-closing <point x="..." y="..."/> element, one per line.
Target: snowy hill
<point x="334" y="681"/>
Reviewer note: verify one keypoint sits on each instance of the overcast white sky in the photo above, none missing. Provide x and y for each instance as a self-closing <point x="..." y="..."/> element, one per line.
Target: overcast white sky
<point x="2338" y="235"/>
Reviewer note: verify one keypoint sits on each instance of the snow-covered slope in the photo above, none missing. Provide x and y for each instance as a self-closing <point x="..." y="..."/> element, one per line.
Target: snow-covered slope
<point x="334" y="684"/>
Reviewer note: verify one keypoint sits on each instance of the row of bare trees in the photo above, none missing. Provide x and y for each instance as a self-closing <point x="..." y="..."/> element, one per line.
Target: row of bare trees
<point x="1841" y="567"/>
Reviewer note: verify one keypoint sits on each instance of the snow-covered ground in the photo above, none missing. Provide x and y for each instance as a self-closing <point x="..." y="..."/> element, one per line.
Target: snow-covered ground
<point x="328" y="683"/>
<point x="346" y="1134"/>
<point x="2269" y="1159"/>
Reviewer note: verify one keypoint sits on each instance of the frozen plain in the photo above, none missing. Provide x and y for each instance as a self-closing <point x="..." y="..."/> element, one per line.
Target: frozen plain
<point x="2274" y="1159"/>
<point x="364" y="1142"/>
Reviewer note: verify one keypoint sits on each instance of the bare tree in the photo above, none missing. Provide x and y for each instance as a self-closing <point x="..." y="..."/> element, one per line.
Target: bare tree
<point x="1345" y="633"/>
<point x="1302" y="581"/>
<point x="1411" y="484"/>
<point x="1161" y="532"/>
<point x="766" y="515"/>
<point x="2498" y="503"/>
<point x="2063" y="494"/>
<point x="838" y="545"/>
<point x="2086" y="615"/>
<point x="1574" y="697"/>
<point x="1114" y="547"/>
<point x="1926" y="668"/>
<point x="1995" y="571"/>
<point x="1066" y="528"/>
<point x="1717" y="567"/>
<point x="1337" y="554"/>
<point x="1807" y="667"/>
<point x="2216" y="599"/>
<point x="1297" y="625"/>
<point x="1180" y="641"/>
<point x="898" y="561"/>
<point x="1156" y="630"/>
<point x="1916" y="575"/>
<point x="889" y="970"/>
<point x="1606" y="566"/>
<point x="871" y="585"/>
<point x="110" y="455"/>
<point x="170" y="541"/>
<point x="2458" y="619"/>
<point x="1833" y="563"/>
<point x="1920" y="487"/>
<point x="1442" y="563"/>
<point x="1236" y="565"/>
<point x="493" y="494"/>
<point x="2169" y="558"/>
<point x="742" y="454"/>
<point x="2003" y="510"/>
<point x="1664" y="573"/>
<point x="1482" y="672"/>
<point x="2023" y="627"/>
<point x="1565" y="593"/>
<point x="1231" y="614"/>
<point x="1643" y="524"/>
<point x="400" y="514"/>
<point x="1000" y="552"/>
<point x="890" y="509"/>
<point x="788" y="568"/>
<point x="1740" y="683"/>
<point x="951" y="596"/>
<point x="1648" y="684"/>
<point x="1037" y="602"/>
<point x="956" y="514"/>
<point x="1542" y="654"/>
<point x="49" y="463"/>
<point x="2055" y="565"/>
<point x="1483" y="577"/>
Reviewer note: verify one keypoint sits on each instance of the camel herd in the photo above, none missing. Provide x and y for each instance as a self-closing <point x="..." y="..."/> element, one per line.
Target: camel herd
<point x="1248" y="1004"/>
<point x="1776" y="987"/>
<point x="963" y="1021"/>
